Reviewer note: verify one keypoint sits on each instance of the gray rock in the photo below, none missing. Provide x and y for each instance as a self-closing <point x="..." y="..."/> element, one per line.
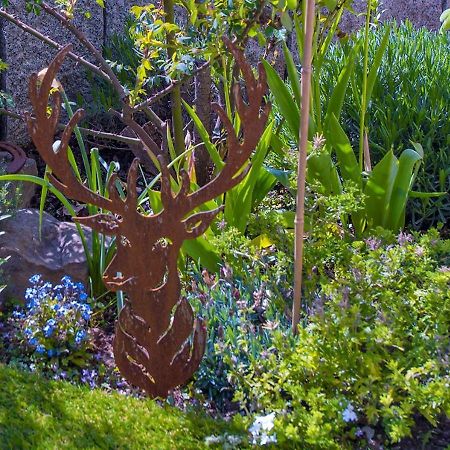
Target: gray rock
<point x="58" y="253"/>
<point x="20" y="193"/>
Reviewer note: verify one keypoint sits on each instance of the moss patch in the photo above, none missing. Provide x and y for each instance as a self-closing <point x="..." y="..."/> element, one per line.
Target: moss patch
<point x="37" y="413"/>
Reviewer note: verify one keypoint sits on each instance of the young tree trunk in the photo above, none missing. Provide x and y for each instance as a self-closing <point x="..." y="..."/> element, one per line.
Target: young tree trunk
<point x="203" y="83"/>
<point x="177" y="112"/>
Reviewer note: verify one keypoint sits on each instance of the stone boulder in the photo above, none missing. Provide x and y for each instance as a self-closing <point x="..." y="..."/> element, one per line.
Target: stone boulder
<point x="59" y="252"/>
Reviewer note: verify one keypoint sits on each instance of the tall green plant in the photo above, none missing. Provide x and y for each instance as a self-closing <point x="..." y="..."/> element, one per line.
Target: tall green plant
<point x="388" y="185"/>
<point x="409" y="102"/>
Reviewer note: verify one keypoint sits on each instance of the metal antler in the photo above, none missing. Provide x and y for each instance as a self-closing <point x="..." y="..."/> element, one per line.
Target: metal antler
<point x="158" y="343"/>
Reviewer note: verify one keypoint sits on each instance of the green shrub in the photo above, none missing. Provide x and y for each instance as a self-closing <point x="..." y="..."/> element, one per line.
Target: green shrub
<point x="373" y="354"/>
<point x="249" y="298"/>
<point x="410" y="102"/>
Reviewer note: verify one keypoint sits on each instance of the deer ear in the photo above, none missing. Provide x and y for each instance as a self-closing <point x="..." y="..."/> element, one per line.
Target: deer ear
<point x="103" y="223"/>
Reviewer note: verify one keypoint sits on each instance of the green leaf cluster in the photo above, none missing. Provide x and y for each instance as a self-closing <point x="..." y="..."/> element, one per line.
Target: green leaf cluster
<point x="409" y="103"/>
<point x="376" y="340"/>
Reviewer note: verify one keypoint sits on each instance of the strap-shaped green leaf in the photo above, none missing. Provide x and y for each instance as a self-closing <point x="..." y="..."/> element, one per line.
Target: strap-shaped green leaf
<point x="283" y="98"/>
<point x="336" y="101"/>
<point x="379" y="189"/>
<point x="293" y="77"/>
<point x="400" y="191"/>
<point x="204" y="136"/>
<point x="376" y="64"/>
<point x="201" y="250"/>
<point x="239" y="201"/>
<point x="322" y="169"/>
<point x="339" y="141"/>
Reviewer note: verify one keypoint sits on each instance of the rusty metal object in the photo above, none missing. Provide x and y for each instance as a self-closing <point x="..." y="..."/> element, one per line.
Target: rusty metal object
<point x="158" y="343"/>
<point x="19" y="158"/>
<point x="139" y="149"/>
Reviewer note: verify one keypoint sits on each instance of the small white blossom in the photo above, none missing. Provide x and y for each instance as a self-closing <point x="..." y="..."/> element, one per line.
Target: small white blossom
<point x="259" y="429"/>
<point x="349" y="415"/>
<point x="233" y="440"/>
<point x="213" y="440"/>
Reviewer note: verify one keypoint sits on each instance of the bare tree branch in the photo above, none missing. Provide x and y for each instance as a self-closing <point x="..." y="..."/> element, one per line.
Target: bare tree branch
<point x="11" y="18"/>
<point x="66" y="23"/>
<point x="86" y="131"/>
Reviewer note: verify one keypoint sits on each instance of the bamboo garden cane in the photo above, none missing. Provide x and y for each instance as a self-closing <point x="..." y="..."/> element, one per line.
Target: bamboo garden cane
<point x="303" y="144"/>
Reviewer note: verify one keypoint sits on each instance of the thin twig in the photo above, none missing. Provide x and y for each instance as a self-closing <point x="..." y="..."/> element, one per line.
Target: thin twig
<point x="66" y="23"/>
<point x="175" y="83"/>
<point x="160" y="124"/>
<point x="303" y="145"/>
<point x="11" y="18"/>
<point x="86" y="131"/>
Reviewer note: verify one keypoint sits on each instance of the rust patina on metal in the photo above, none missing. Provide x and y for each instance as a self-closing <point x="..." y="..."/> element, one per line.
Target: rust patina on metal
<point x="18" y="156"/>
<point x="158" y="343"/>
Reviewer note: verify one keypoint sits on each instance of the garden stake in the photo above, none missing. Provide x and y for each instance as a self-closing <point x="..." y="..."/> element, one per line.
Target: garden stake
<point x="18" y="155"/>
<point x="303" y="144"/>
<point x="158" y="344"/>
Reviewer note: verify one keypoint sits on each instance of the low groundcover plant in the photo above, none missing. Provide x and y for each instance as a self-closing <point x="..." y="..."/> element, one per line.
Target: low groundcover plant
<point x="54" y="322"/>
<point x="54" y="334"/>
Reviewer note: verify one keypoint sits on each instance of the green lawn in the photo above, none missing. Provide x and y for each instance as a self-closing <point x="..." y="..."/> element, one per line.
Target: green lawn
<point x="40" y="414"/>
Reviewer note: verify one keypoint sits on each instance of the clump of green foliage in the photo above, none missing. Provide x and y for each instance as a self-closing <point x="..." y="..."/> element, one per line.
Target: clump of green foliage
<point x="240" y="315"/>
<point x="373" y="353"/>
<point x="9" y="195"/>
<point x="124" y="58"/>
<point x="37" y="413"/>
<point x="409" y="103"/>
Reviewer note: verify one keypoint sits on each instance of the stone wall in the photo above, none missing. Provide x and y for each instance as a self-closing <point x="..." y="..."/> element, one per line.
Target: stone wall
<point x="26" y="54"/>
<point x="422" y="13"/>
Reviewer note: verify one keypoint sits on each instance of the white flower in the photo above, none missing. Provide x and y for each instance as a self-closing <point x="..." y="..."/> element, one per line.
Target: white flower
<point x="213" y="440"/>
<point x="259" y="429"/>
<point x="349" y="414"/>
<point x="234" y="440"/>
<point x="229" y="441"/>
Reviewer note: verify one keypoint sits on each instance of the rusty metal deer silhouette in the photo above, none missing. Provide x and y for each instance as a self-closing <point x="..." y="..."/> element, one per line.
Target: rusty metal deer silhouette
<point x="158" y="343"/>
